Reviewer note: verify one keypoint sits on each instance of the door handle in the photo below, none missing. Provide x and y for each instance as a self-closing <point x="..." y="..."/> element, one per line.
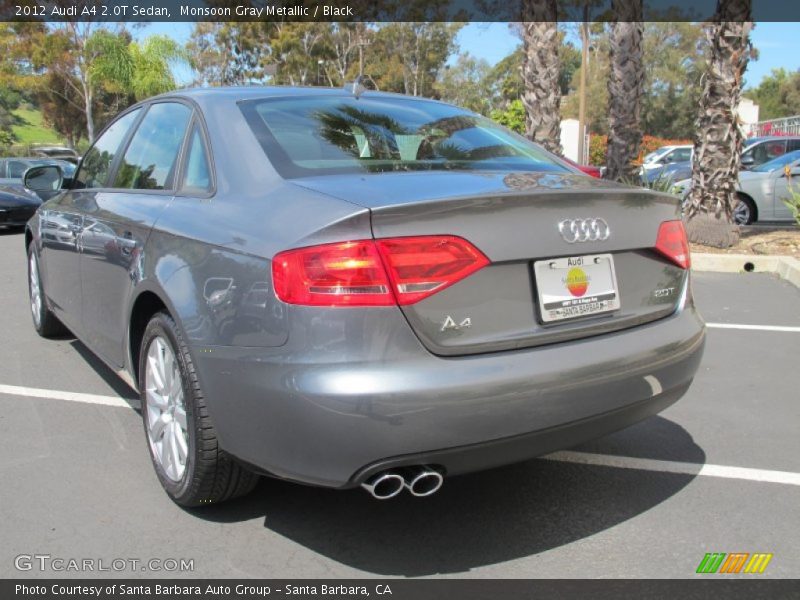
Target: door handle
<point x="128" y="242"/>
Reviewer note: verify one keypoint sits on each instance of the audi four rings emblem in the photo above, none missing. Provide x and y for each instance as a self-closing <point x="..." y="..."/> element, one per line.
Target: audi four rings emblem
<point x="584" y="230"/>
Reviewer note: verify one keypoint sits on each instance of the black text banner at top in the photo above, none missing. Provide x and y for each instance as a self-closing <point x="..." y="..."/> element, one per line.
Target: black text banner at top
<point x="387" y="10"/>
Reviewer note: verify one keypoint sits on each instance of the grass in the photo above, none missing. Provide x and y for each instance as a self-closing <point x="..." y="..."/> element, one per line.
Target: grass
<point x="32" y="129"/>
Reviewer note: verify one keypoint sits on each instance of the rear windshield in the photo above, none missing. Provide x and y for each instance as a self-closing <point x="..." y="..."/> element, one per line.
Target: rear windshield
<point x="309" y="136"/>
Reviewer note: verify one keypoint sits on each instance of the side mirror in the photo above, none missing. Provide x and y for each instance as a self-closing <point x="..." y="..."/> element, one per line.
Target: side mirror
<point x="794" y="172"/>
<point x="748" y="160"/>
<point x="45" y="180"/>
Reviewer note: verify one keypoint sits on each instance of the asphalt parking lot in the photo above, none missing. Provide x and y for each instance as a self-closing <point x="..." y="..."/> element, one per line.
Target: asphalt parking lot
<point x="717" y="472"/>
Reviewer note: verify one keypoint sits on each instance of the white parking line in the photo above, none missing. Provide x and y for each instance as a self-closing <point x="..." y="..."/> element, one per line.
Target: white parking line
<point x="682" y="468"/>
<point x="753" y="327"/>
<point x="15" y="390"/>
<point x="583" y="458"/>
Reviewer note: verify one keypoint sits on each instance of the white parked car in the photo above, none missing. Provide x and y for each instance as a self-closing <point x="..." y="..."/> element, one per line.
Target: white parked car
<point x="761" y="190"/>
<point x="666" y="155"/>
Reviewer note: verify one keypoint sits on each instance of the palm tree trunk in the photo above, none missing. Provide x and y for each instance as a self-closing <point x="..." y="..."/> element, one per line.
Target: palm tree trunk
<point x="625" y="90"/>
<point x="718" y="139"/>
<point x="540" y="69"/>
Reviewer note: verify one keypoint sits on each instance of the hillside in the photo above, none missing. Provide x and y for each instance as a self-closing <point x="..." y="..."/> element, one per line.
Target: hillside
<point x="32" y="130"/>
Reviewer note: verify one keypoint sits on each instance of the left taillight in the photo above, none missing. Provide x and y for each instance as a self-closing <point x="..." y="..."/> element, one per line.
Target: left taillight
<point x="380" y="272"/>
<point x="671" y="242"/>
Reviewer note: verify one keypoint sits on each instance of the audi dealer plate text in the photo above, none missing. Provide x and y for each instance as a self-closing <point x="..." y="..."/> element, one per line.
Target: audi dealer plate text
<point x="576" y="286"/>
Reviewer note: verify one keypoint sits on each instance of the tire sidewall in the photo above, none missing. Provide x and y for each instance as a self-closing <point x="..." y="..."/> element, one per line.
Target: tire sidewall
<point x="42" y="307"/>
<point x="162" y="326"/>
<point x="750" y="211"/>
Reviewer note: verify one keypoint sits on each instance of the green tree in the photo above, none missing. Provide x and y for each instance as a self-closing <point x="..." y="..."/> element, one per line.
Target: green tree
<point x="61" y="108"/>
<point x="674" y="62"/>
<point x="300" y="51"/>
<point x="141" y="70"/>
<point x="467" y="84"/>
<point x="597" y="74"/>
<point x="778" y="94"/>
<point x="506" y="76"/>
<point x="67" y="55"/>
<point x="408" y="57"/>
<point x="347" y="45"/>
<point x="229" y="53"/>
<point x="15" y="73"/>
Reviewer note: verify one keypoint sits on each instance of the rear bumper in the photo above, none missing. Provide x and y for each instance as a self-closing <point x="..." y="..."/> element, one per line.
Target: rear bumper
<point x="329" y="419"/>
<point x="496" y="453"/>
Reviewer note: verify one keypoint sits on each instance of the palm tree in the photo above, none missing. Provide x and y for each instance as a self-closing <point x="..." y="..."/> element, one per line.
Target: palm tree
<point x="541" y="94"/>
<point x="625" y="89"/>
<point x="718" y="139"/>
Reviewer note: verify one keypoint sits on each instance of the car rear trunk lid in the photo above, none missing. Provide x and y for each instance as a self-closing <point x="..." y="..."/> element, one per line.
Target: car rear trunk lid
<point x="519" y="220"/>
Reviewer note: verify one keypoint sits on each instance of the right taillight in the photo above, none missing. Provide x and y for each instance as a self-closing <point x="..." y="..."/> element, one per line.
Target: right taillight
<point x="380" y="272"/>
<point x="673" y="244"/>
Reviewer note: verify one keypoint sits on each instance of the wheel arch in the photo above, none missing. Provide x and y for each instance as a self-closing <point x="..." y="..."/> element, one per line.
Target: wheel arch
<point x="148" y="301"/>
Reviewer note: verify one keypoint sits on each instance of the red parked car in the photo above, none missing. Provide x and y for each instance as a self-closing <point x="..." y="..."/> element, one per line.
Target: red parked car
<point x="588" y="169"/>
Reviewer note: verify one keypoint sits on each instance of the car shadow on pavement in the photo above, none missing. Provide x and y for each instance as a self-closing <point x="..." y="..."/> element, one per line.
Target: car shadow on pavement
<point x="478" y="519"/>
<point x="11" y="231"/>
<point x="106" y="374"/>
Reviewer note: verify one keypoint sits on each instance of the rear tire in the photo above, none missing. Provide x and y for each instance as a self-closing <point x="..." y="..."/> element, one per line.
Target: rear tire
<point x="44" y="321"/>
<point x="183" y="445"/>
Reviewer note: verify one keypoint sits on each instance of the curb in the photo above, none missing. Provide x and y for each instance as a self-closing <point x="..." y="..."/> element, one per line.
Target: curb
<point x="786" y="267"/>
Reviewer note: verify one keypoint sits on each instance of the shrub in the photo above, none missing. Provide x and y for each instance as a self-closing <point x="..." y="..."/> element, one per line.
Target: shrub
<point x="598" y="145"/>
<point x="793" y="201"/>
<point x="512" y="117"/>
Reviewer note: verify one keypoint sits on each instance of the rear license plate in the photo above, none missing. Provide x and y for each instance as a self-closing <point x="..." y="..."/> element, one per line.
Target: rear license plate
<point x="576" y="286"/>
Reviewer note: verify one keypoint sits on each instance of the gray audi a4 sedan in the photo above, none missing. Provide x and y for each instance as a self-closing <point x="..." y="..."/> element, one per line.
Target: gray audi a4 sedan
<point x="350" y="288"/>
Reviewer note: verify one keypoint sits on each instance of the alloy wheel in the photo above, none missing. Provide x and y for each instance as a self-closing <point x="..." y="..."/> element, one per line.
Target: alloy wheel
<point x="166" y="411"/>
<point x="741" y="213"/>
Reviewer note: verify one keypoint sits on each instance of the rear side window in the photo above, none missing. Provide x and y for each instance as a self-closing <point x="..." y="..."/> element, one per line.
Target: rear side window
<point x="310" y="136"/>
<point x="152" y="156"/>
<point x="97" y="162"/>
<point x="197" y="174"/>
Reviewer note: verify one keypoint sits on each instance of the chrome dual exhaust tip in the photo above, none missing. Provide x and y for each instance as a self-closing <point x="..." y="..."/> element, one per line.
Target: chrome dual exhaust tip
<point x="422" y="481"/>
<point x="384" y="485"/>
<point x="419" y="481"/>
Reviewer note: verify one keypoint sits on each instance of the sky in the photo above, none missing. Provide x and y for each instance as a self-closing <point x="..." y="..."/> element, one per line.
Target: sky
<point x="778" y="45"/>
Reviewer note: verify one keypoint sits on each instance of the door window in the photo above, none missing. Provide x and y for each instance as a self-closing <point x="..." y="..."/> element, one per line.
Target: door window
<point x="152" y="156"/>
<point x="768" y="150"/>
<point x="94" y="169"/>
<point x="681" y="155"/>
